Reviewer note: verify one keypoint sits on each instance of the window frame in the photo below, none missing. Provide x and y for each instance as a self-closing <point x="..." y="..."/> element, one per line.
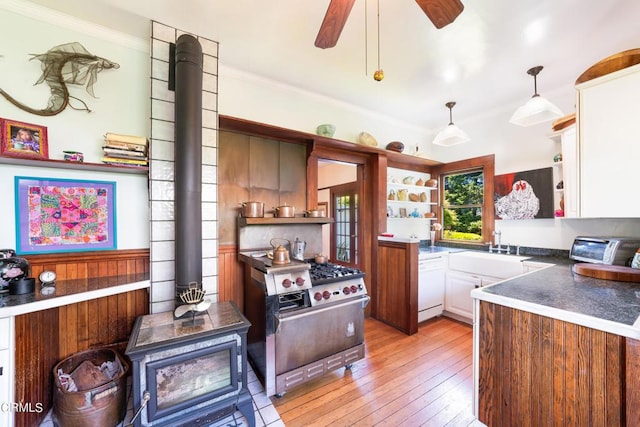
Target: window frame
<point x="487" y="165"/>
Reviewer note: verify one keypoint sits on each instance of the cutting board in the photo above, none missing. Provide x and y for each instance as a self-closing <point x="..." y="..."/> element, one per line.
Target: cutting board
<point x="608" y="272"/>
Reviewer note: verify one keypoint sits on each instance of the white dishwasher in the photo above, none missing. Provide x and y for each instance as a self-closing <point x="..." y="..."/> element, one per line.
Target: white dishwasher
<point x="431" y="286"/>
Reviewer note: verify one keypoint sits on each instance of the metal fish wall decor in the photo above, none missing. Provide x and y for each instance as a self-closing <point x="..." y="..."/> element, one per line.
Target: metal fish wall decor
<point x="66" y="64"/>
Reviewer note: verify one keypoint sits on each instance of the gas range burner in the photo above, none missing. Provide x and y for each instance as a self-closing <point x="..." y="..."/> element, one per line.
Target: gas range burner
<point x="330" y="273"/>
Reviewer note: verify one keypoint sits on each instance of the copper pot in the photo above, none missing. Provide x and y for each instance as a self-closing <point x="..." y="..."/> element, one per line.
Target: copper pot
<point x="321" y="259"/>
<point x="252" y="209"/>
<point x="314" y="213"/>
<point x="285" y="211"/>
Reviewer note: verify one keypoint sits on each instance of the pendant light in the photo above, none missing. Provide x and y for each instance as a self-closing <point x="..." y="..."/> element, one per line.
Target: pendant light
<point x="452" y="134"/>
<point x="537" y="109"/>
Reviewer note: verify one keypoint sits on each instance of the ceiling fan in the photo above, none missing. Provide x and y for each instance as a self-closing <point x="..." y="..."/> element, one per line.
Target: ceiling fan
<point x="440" y="12"/>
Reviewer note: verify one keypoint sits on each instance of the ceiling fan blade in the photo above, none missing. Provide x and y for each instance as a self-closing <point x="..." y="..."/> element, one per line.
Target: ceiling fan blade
<point x="441" y="12"/>
<point x="333" y="23"/>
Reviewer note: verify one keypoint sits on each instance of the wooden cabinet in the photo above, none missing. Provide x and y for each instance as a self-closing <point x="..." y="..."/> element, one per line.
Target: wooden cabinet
<point x="397" y="291"/>
<point x="90" y="308"/>
<point x="538" y="371"/>
<point x="608" y="129"/>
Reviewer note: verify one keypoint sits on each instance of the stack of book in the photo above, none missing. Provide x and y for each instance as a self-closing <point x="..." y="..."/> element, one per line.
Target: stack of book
<point x="125" y="150"/>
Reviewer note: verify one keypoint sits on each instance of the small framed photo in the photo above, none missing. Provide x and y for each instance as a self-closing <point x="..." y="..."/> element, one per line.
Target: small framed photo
<point x="25" y="140"/>
<point x="403" y="212"/>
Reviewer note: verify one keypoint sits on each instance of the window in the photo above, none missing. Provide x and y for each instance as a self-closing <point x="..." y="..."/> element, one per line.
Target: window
<point x="462" y="215"/>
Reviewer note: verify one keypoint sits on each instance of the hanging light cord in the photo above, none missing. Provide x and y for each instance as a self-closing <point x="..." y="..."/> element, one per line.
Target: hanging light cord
<point x="378" y="34"/>
<point x="366" y="31"/>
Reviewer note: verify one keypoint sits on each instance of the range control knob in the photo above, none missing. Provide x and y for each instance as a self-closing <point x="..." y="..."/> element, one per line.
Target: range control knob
<point x="346" y="290"/>
<point x="286" y="283"/>
<point x="354" y="289"/>
<point x="326" y="295"/>
<point x="300" y="281"/>
<point x="317" y="296"/>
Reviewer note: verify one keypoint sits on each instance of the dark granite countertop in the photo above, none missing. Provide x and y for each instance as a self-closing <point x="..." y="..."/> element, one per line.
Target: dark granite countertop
<point x="423" y="250"/>
<point x="70" y="291"/>
<point x="560" y="293"/>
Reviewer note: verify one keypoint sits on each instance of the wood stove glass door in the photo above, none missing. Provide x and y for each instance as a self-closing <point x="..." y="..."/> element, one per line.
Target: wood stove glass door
<point x="191" y="377"/>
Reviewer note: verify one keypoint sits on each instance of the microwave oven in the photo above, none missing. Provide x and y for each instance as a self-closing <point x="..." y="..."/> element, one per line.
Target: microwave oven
<point x="604" y="250"/>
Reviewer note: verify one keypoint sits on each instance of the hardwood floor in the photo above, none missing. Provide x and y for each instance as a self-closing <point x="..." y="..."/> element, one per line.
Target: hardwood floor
<point x="420" y="380"/>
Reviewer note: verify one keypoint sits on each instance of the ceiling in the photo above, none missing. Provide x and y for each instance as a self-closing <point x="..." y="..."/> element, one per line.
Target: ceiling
<point x="479" y="61"/>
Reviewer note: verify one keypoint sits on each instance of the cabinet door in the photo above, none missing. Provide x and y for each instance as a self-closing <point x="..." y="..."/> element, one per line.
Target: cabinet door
<point x="457" y="298"/>
<point x="608" y="131"/>
<point x="5" y="384"/>
<point x="431" y="283"/>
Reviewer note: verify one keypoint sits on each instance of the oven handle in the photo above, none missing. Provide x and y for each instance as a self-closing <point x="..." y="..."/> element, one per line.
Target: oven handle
<point x="280" y="318"/>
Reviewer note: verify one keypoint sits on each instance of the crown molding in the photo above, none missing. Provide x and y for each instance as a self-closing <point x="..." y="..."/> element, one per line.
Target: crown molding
<point x="229" y="71"/>
<point x="54" y="17"/>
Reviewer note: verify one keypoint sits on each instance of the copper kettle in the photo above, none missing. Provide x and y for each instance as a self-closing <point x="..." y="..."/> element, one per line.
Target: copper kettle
<point x="280" y="254"/>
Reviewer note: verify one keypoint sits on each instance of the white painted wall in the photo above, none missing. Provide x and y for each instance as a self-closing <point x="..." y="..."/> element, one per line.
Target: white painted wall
<point x="121" y="107"/>
<point x="254" y="98"/>
<point x="516" y="148"/>
<point x="519" y="148"/>
<point x="247" y="96"/>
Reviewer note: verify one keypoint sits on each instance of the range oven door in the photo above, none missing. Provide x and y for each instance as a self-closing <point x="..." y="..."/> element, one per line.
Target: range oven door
<point x="308" y="335"/>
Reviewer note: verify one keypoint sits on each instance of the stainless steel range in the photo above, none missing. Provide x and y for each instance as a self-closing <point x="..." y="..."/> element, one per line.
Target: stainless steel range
<point x="308" y="320"/>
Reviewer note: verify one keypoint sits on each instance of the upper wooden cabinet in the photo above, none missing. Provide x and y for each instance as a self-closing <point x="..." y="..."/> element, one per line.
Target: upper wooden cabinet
<point x="609" y="153"/>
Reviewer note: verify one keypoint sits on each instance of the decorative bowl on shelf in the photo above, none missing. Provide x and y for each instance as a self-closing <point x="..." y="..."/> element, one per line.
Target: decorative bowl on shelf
<point x="365" y="138"/>
<point x="409" y="180"/>
<point x="431" y="183"/>
<point x="396" y="146"/>
<point x="326" y="129"/>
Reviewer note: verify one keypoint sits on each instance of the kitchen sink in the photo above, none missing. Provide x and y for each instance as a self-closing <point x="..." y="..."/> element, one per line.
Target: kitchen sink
<point x="489" y="264"/>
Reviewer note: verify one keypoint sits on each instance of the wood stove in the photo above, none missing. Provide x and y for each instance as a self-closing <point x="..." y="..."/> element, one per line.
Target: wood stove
<point x="187" y="373"/>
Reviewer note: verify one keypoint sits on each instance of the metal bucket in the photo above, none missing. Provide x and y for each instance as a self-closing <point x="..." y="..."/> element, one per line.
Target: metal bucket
<point x="104" y="405"/>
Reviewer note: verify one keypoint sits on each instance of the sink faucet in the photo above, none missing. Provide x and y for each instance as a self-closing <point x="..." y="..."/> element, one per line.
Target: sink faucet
<point x="497" y="235"/>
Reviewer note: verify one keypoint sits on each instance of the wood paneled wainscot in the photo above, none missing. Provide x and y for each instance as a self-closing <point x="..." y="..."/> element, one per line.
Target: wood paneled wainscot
<point x="51" y="331"/>
<point x="397" y="291"/>
<point x="539" y="371"/>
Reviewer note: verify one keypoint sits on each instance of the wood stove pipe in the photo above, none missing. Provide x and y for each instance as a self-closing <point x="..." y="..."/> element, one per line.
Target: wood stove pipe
<point x="188" y="163"/>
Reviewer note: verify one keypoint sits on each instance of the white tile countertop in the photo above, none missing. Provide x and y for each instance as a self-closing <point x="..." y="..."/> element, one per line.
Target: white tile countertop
<point x="559" y="293"/>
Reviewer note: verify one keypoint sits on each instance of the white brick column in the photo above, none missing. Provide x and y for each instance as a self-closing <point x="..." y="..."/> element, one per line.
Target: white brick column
<point x="161" y="170"/>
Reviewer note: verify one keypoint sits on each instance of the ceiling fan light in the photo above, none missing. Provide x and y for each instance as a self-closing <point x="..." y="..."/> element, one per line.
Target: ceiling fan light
<point x="451" y="135"/>
<point x="535" y="110"/>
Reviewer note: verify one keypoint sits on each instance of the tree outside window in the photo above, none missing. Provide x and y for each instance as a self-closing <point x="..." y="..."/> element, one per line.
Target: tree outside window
<point x="463" y="206"/>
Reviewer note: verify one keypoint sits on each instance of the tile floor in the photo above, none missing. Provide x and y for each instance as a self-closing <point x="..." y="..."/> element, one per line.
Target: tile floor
<point x="265" y="413"/>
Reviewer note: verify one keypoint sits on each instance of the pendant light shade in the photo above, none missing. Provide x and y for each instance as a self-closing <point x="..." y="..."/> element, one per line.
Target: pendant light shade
<point x="452" y="134"/>
<point x="537" y="109"/>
